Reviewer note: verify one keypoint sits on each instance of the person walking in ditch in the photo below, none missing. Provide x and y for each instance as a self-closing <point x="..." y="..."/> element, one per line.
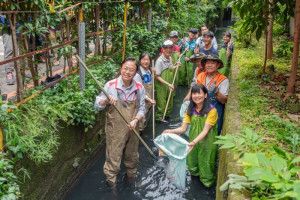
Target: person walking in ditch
<point x="186" y="71"/>
<point x="129" y="96"/>
<point x="202" y="116"/>
<point x="143" y="76"/>
<point x="164" y="76"/>
<point x="226" y="53"/>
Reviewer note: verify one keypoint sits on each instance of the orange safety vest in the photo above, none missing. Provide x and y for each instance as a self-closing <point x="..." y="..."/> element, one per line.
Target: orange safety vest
<point x="201" y="79"/>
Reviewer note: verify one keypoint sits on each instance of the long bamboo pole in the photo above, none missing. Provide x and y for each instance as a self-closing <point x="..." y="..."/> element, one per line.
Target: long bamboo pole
<point x="1" y="139"/>
<point x="169" y="97"/>
<point x="153" y="107"/>
<point x="121" y="114"/>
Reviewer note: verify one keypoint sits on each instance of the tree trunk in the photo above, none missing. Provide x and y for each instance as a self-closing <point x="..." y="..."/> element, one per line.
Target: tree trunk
<point x="270" y="33"/>
<point x="292" y="80"/>
<point x="105" y="34"/>
<point x="97" y="20"/>
<point x="13" y="22"/>
<point x="266" y="43"/>
<point x="22" y="48"/>
<point x="30" y="62"/>
<point x="69" y="55"/>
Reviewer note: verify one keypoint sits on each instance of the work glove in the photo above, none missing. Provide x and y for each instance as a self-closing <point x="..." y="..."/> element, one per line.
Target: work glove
<point x="213" y="88"/>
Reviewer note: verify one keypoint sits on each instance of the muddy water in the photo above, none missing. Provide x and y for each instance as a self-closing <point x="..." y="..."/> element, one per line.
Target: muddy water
<point x="151" y="181"/>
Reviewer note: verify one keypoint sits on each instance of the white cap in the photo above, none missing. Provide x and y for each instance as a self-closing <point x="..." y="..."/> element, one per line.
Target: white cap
<point x="167" y="43"/>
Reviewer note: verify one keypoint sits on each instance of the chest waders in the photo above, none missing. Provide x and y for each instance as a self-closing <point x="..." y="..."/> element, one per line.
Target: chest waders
<point x="220" y="109"/>
<point x="185" y="72"/>
<point x="201" y="160"/>
<point x="149" y="92"/>
<point x="162" y="93"/>
<point x="174" y="57"/>
<point x="225" y="70"/>
<point x="120" y="139"/>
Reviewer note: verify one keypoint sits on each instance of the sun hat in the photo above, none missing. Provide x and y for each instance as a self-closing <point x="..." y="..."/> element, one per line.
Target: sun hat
<point x="197" y="56"/>
<point x="211" y="57"/>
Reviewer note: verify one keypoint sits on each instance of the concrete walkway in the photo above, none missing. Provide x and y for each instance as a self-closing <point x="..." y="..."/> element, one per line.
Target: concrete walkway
<point x="7" y="89"/>
<point x="11" y="89"/>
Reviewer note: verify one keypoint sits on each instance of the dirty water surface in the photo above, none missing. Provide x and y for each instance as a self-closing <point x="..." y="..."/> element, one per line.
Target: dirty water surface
<point x="151" y="181"/>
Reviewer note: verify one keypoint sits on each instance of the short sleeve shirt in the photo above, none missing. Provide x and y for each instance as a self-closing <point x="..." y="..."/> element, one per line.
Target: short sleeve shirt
<point x="212" y="50"/>
<point x="191" y="44"/>
<point x="231" y="48"/>
<point x="223" y="86"/>
<point x="161" y="64"/>
<point x="211" y="119"/>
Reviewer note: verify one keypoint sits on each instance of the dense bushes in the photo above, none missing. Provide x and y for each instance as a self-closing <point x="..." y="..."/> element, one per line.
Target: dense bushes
<point x="268" y="145"/>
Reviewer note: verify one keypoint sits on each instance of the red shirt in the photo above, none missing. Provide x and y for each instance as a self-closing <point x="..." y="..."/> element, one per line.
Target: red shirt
<point x="175" y="48"/>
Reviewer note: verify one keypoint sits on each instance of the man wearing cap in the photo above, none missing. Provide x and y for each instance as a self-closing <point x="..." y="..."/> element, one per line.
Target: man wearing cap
<point x="174" y="38"/>
<point x="186" y="71"/>
<point x="190" y="41"/>
<point x="165" y="73"/>
<point x="208" y="47"/>
<point x="216" y="83"/>
<point x="200" y="42"/>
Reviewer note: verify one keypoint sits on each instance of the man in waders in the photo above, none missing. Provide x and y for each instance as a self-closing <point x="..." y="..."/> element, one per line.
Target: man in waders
<point x="186" y="71"/>
<point x="216" y="83"/>
<point x="129" y="96"/>
<point x="164" y="77"/>
<point x="226" y="53"/>
<point x="173" y="36"/>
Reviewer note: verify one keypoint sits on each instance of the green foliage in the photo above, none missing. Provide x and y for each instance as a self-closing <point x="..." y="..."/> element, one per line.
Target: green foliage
<point x="278" y="29"/>
<point x="64" y="52"/>
<point x="241" y="36"/>
<point x="9" y="184"/>
<point x="32" y="130"/>
<point x="268" y="174"/>
<point x="255" y="14"/>
<point x="247" y="141"/>
<point x="268" y="144"/>
<point x="285" y="49"/>
<point x="187" y="14"/>
<point x="148" y="41"/>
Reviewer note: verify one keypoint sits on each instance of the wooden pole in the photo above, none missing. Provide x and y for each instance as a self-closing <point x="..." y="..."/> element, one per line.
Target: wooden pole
<point x="121" y="114"/>
<point x="169" y="97"/>
<point x="1" y="139"/>
<point x="153" y="107"/>
<point x="292" y="79"/>
<point x="124" y="32"/>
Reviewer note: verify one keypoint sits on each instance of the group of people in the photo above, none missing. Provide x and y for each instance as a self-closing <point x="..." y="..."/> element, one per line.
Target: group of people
<point x="195" y="62"/>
